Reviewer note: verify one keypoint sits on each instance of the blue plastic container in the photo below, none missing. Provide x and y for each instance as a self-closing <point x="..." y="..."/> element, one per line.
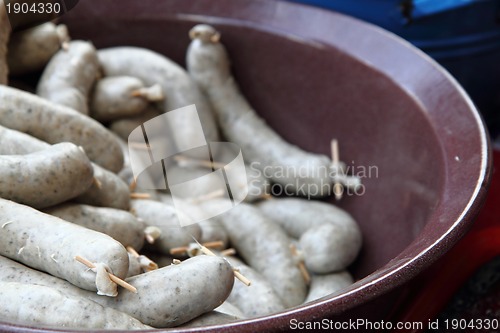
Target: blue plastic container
<point x="462" y="35"/>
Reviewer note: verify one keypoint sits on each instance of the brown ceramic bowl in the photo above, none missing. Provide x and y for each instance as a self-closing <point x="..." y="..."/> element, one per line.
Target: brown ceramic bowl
<point x="315" y="75"/>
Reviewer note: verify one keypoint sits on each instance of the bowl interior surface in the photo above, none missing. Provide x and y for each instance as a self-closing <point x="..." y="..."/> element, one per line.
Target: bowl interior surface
<point x="403" y="125"/>
<point x="311" y="93"/>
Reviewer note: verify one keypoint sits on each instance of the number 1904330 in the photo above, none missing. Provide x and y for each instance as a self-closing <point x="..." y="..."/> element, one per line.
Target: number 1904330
<point x="33" y="8"/>
<point x="480" y="324"/>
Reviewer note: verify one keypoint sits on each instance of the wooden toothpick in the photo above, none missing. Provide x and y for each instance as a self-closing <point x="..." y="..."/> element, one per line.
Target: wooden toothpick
<point x="241" y="277"/>
<point x="135" y="195"/>
<point x="149" y="239"/>
<point x="300" y="264"/>
<point x="138" y="145"/>
<point x="133" y="185"/>
<point x="132" y="251"/>
<point x="178" y="250"/>
<point x="209" y="196"/>
<point x="236" y="272"/>
<point x="183" y="249"/>
<point x="97" y="183"/>
<point x="153" y="93"/>
<point x="266" y="196"/>
<point x="214" y="244"/>
<point x="228" y="252"/>
<point x="338" y="189"/>
<point x="188" y="161"/>
<point x="152" y="233"/>
<point x="113" y="277"/>
<point x="207" y="251"/>
<point x="146" y="263"/>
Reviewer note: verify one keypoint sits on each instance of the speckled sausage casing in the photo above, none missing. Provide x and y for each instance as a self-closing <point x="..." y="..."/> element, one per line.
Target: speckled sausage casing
<point x="213" y="231"/>
<point x="173" y="295"/>
<point x="266" y="248"/>
<point x="112" y="191"/>
<point x="178" y="88"/>
<point x="113" y="98"/>
<point x="208" y="63"/>
<point x="328" y="236"/>
<point x="211" y="318"/>
<point x="258" y="299"/>
<point x="70" y="75"/>
<point x="45" y="178"/>
<point x="50" y="244"/>
<point x="30" y="50"/>
<point x="121" y="225"/>
<point x="13" y="142"/>
<point x="37" y="305"/>
<point x="54" y="123"/>
<point x="124" y="126"/>
<point x="324" y="285"/>
<point x="164" y="216"/>
<point x="165" y="298"/>
<point x="12" y="271"/>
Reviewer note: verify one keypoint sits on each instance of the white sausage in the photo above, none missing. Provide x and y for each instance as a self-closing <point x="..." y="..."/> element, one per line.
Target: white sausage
<point x="208" y="63"/>
<point x="54" y="123"/>
<point x="70" y="75"/>
<point x="121" y="225"/>
<point x="324" y="285"/>
<point x="166" y="297"/>
<point x="45" y="178"/>
<point x="120" y="96"/>
<point x="35" y="305"/>
<point x="328" y="236"/>
<point x="173" y="295"/>
<point x="13" y="142"/>
<point x="30" y="50"/>
<point x="12" y="271"/>
<point x="164" y="216"/>
<point x="124" y="126"/>
<point x="178" y="88"/>
<point x="107" y="190"/>
<point x="50" y="244"/>
<point x="258" y="299"/>
<point x="266" y="248"/>
<point x="210" y="318"/>
<point x="213" y="231"/>
<point x="330" y="247"/>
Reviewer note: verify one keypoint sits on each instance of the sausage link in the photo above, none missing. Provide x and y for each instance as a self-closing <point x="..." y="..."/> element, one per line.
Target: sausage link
<point x="54" y="123"/>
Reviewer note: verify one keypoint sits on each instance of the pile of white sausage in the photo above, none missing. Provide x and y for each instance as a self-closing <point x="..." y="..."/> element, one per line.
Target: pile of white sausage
<point x="66" y="193"/>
